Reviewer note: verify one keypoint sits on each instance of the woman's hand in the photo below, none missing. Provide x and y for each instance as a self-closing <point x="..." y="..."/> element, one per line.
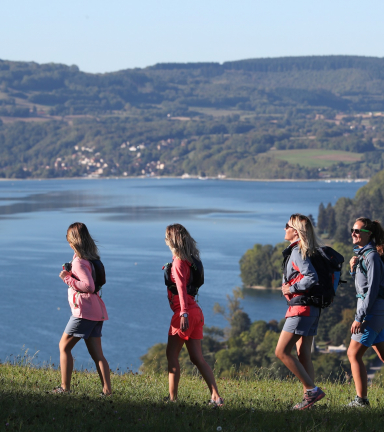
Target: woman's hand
<point x="353" y="262"/>
<point x="356" y="327"/>
<point x="286" y="289"/>
<point x="64" y="274"/>
<point x="184" y="324"/>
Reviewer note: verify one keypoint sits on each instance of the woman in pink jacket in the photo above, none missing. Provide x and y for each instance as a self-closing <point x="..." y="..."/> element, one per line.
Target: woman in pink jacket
<point x="188" y="320"/>
<point x="88" y="309"/>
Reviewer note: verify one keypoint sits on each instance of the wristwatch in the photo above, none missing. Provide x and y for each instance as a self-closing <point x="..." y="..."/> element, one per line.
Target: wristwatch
<point x="184" y="315"/>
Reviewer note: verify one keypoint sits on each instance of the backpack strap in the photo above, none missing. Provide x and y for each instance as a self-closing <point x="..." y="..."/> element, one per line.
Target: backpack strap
<point x="362" y="260"/>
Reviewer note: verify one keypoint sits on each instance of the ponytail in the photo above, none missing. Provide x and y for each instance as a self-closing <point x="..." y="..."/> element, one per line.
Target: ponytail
<point x="377" y="232"/>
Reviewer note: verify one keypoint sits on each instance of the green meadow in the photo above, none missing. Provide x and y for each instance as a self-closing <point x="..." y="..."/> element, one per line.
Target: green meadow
<point x="315" y="158"/>
<point x="251" y="404"/>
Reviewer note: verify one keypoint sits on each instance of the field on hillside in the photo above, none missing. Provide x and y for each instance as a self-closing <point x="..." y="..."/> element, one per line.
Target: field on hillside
<point x="257" y="404"/>
<point x="314" y="158"/>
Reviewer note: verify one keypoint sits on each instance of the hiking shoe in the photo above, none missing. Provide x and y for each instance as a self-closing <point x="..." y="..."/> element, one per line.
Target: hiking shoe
<point x="310" y="397"/>
<point x="60" y="390"/>
<point x="359" y="402"/>
<point x="167" y="399"/>
<point x="216" y="403"/>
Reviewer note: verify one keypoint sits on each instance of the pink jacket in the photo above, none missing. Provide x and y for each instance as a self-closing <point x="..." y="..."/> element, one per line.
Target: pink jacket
<point x="82" y="300"/>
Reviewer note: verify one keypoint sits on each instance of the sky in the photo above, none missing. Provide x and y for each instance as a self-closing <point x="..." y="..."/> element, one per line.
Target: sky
<point x="105" y="36"/>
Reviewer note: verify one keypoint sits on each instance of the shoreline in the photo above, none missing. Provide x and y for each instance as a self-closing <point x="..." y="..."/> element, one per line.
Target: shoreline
<point x="330" y="180"/>
<point x="261" y="288"/>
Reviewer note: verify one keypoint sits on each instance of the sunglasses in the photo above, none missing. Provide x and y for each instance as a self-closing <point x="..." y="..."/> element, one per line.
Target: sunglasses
<point x="288" y="226"/>
<point x="357" y="231"/>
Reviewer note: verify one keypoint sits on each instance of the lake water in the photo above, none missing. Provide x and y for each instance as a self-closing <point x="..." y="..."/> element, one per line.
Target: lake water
<point x="128" y="218"/>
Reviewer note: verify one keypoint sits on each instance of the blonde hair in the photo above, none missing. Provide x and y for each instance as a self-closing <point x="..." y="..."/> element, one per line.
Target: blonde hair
<point x="309" y="241"/>
<point x="181" y="243"/>
<point x="83" y="244"/>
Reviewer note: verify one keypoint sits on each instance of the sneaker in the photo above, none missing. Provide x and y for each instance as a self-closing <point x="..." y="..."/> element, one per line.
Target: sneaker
<point x="60" y="390"/>
<point x="167" y="399"/>
<point x="359" y="402"/>
<point x="216" y="403"/>
<point x="310" y="397"/>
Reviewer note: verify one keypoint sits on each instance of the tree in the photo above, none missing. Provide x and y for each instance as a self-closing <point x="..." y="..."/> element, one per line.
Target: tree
<point x="322" y="219"/>
<point x="240" y="322"/>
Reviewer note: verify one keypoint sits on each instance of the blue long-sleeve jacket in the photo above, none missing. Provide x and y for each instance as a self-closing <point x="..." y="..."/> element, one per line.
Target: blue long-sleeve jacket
<point x="369" y="285"/>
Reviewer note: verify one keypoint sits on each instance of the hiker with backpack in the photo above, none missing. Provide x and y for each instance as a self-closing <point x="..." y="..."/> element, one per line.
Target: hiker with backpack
<point x="83" y="276"/>
<point x="183" y="278"/>
<point x="302" y="317"/>
<point x="367" y="269"/>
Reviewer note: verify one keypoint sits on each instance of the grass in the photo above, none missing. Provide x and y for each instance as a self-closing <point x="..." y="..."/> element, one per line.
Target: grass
<point x="315" y="158"/>
<point x="257" y="404"/>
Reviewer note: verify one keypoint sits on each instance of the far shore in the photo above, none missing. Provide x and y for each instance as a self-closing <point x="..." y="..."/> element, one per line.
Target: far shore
<point x="187" y="178"/>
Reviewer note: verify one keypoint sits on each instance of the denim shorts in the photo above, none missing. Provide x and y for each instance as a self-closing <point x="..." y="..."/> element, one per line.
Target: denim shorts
<point x="369" y="337"/>
<point x="302" y="325"/>
<point x="83" y="328"/>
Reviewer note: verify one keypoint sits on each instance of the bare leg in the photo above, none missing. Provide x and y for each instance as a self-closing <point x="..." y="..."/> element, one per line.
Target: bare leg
<point x="196" y="356"/>
<point x="102" y="366"/>
<point x="303" y="348"/>
<point x="379" y="348"/>
<point x="66" y="360"/>
<point x="283" y="352"/>
<point x="355" y="353"/>
<point x="175" y="343"/>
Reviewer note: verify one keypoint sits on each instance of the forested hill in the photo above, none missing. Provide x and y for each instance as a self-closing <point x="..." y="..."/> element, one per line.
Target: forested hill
<point x="294" y="117"/>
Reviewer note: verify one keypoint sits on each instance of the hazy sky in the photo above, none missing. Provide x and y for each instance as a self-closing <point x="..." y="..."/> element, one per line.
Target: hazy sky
<point x="109" y="35"/>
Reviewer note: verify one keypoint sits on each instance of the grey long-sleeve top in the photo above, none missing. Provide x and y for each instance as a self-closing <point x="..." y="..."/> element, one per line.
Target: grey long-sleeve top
<point x="369" y="285"/>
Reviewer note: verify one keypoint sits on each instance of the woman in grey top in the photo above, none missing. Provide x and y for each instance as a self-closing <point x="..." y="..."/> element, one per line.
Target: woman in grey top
<point x="367" y="268"/>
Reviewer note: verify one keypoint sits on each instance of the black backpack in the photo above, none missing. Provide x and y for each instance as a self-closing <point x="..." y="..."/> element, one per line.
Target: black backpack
<point x="196" y="277"/>
<point x="328" y="265"/>
<point x="100" y="278"/>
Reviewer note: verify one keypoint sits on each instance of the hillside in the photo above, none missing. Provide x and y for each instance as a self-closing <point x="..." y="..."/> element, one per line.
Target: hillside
<point x="259" y="403"/>
<point x="294" y="117"/>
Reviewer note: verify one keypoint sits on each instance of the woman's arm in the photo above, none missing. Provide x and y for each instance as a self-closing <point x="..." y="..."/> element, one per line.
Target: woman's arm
<point x="180" y="272"/>
<point x="306" y="269"/>
<point x="374" y="276"/>
<point x="352" y="266"/>
<point x="82" y="270"/>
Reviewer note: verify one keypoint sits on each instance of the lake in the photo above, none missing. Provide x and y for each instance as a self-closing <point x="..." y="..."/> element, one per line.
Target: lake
<point x="128" y="218"/>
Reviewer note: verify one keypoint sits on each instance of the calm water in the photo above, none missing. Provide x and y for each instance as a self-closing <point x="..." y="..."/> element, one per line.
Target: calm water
<point x="128" y="218"/>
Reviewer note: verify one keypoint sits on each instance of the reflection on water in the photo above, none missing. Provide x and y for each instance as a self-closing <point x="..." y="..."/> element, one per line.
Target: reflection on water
<point x="54" y="201"/>
<point x="50" y="201"/>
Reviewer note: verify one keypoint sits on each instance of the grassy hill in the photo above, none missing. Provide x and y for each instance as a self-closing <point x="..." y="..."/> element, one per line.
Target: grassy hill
<point x="257" y="404"/>
<point x="205" y="119"/>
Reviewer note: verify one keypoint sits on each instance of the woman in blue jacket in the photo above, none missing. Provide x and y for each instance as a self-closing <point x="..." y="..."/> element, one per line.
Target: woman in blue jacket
<point x="367" y="330"/>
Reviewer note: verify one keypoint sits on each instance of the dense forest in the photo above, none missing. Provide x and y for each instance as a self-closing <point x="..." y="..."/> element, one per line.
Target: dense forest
<point x="292" y="118"/>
